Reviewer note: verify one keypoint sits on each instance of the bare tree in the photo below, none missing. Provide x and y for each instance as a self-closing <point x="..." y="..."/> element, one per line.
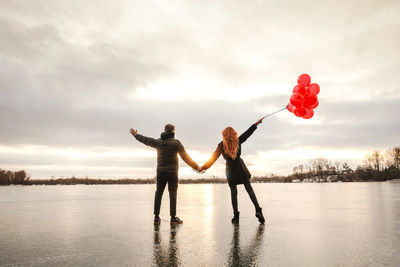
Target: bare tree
<point x="298" y="171"/>
<point x="295" y="170"/>
<point x="20" y="177"/>
<point x="318" y="165"/>
<point x="392" y="157"/>
<point x="368" y="162"/>
<point x="2" y="177"/>
<point x="346" y="167"/>
<point x="301" y="168"/>
<point x="396" y="157"/>
<point x="375" y="160"/>
<point x="338" y="167"/>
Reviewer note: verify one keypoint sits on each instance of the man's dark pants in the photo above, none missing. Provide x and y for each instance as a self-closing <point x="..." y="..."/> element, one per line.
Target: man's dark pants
<point x="162" y="179"/>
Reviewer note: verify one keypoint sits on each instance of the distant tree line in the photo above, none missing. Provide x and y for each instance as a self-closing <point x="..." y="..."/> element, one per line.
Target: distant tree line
<point x="214" y="180"/>
<point x="9" y="177"/>
<point x="89" y="181"/>
<point x="378" y="166"/>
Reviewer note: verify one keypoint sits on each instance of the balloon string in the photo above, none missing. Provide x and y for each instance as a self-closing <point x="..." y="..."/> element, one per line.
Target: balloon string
<point x="274" y="113"/>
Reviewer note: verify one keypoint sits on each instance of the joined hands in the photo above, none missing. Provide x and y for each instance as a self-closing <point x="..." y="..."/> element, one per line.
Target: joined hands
<point x="200" y="169"/>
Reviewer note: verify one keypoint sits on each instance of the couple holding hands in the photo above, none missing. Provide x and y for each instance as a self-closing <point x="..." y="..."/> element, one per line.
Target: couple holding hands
<point x="168" y="149"/>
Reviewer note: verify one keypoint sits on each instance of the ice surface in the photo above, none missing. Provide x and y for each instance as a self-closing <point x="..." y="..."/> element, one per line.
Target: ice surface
<point x="337" y="224"/>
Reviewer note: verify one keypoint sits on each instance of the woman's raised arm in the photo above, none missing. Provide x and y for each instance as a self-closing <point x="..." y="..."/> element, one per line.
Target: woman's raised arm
<point x="243" y="137"/>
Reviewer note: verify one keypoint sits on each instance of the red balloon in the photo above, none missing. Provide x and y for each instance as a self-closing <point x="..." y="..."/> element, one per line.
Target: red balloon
<point x="296" y="100"/>
<point x="315" y="105"/>
<point x="310" y="100"/>
<point x="300" y="89"/>
<point x="299" y="111"/>
<point x="314" y="88"/>
<point x="309" y="114"/>
<point x="304" y="79"/>
<point x="290" y="107"/>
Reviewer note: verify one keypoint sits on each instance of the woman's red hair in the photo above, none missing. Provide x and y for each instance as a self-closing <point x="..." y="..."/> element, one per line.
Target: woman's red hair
<point x="230" y="141"/>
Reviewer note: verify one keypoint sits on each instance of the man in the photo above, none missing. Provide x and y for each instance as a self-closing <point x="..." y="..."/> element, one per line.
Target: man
<point x="167" y="167"/>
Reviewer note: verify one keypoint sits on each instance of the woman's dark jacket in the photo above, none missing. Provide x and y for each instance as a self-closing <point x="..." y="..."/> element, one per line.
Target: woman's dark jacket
<point x="167" y="152"/>
<point x="236" y="170"/>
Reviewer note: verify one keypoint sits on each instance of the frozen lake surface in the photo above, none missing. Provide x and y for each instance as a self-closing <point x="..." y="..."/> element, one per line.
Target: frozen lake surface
<point x="337" y="224"/>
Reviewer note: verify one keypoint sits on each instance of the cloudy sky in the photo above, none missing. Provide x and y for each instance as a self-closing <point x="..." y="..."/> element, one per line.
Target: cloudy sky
<point x="76" y="75"/>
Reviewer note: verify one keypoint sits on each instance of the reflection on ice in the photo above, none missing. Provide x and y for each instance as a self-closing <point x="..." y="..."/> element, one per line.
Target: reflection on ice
<point x="245" y="254"/>
<point x="166" y="254"/>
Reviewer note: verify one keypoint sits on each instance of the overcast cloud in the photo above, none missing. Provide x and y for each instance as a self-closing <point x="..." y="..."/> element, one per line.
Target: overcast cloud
<point x="76" y="75"/>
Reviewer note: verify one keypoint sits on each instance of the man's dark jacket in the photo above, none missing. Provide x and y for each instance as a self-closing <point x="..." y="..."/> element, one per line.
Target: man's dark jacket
<point x="167" y="152"/>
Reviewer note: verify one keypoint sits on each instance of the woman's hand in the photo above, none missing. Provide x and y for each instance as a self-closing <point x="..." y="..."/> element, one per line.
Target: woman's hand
<point x="201" y="169"/>
<point x="133" y="132"/>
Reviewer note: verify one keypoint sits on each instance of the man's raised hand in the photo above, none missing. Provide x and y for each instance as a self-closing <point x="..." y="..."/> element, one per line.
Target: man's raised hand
<point x="133" y="132"/>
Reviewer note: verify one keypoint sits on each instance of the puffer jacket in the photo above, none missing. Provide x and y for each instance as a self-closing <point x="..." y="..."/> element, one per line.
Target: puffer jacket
<point x="167" y="152"/>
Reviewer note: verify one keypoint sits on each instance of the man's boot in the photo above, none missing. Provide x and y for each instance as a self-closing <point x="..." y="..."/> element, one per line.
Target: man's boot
<point x="235" y="218"/>
<point x="157" y="219"/>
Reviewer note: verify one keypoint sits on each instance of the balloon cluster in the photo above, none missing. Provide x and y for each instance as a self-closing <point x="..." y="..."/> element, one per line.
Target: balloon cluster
<point x="304" y="98"/>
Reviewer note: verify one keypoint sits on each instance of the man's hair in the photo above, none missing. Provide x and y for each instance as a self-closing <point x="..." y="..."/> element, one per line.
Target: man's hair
<point x="169" y="128"/>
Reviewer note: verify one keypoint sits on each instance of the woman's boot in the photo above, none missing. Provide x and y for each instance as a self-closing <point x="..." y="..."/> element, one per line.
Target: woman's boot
<point x="259" y="215"/>
<point x="235" y="218"/>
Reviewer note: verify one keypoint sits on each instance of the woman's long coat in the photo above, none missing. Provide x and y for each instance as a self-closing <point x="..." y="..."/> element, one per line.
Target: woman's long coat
<point x="236" y="170"/>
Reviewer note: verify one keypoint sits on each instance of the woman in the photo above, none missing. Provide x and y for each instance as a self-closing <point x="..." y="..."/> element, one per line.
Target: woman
<point x="236" y="170"/>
